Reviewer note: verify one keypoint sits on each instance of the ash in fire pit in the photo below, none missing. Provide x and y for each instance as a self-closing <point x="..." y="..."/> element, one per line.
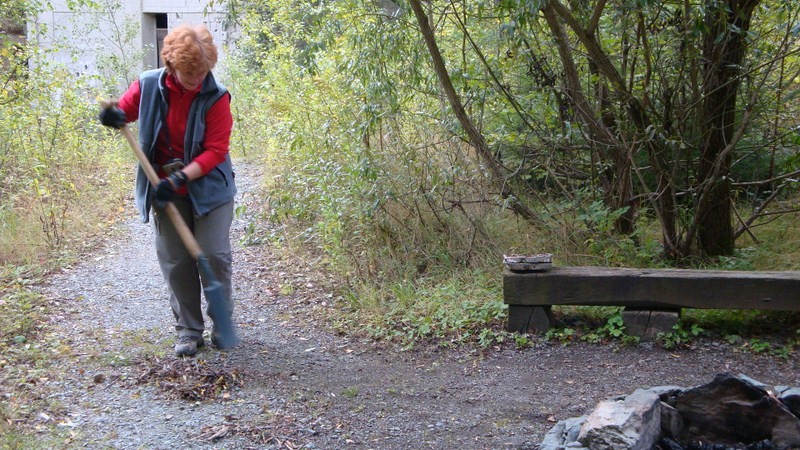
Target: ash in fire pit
<point x="731" y="412"/>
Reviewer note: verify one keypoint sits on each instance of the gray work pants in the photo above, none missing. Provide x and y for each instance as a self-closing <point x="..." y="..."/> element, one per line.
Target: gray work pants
<point x="180" y="269"/>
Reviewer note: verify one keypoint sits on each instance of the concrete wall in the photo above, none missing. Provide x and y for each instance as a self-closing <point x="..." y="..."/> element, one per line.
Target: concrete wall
<point x="83" y="41"/>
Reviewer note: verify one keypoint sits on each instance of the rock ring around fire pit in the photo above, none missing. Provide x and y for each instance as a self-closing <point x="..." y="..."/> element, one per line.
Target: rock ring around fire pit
<point x="730" y="412"/>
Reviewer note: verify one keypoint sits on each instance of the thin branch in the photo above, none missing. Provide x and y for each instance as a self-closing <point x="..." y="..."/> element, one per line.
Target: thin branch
<point x="769" y="181"/>
<point x="598" y="11"/>
<point x="744" y="227"/>
<point x="780" y="212"/>
<point x="504" y="89"/>
<point x="475" y="137"/>
<point x="757" y="213"/>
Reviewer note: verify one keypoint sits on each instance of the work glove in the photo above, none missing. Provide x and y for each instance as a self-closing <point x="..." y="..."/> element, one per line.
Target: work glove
<point x="167" y="187"/>
<point x="112" y="116"/>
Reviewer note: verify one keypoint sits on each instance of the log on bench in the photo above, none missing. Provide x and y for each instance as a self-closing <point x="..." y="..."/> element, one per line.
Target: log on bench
<point x="647" y="294"/>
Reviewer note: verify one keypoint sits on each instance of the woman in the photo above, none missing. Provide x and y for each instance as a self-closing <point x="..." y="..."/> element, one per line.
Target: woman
<point x="185" y="125"/>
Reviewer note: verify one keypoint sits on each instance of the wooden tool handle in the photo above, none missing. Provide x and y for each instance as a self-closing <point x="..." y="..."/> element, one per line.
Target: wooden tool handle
<point x="172" y="211"/>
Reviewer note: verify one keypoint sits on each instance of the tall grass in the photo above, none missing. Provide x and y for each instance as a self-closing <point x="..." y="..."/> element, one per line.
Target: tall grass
<point x="63" y="178"/>
<point x="64" y="181"/>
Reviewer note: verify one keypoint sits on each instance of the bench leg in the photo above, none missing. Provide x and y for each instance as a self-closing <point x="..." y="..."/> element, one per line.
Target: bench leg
<point x="648" y="323"/>
<point x="529" y="319"/>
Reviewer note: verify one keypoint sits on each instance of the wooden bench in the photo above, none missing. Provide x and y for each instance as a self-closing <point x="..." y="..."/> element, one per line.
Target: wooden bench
<point x="649" y="295"/>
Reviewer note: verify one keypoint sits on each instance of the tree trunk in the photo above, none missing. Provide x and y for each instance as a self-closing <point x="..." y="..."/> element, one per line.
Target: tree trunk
<point x="723" y="52"/>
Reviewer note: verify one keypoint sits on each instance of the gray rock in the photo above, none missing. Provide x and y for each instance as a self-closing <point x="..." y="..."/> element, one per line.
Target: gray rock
<point x="667" y="394"/>
<point x="574" y="428"/>
<point x="554" y="438"/>
<point x="756" y="383"/>
<point x="575" y="446"/>
<point x="562" y="433"/>
<point x="791" y="400"/>
<point x="630" y="424"/>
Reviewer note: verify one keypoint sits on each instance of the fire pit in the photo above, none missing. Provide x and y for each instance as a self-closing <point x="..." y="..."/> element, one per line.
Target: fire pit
<point x="730" y="412"/>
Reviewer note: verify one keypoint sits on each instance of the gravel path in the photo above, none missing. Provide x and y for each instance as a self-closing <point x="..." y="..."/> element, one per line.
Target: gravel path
<point x="291" y="384"/>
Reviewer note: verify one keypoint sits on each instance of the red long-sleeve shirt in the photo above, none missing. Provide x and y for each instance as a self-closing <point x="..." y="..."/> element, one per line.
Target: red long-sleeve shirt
<point x="169" y="145"/>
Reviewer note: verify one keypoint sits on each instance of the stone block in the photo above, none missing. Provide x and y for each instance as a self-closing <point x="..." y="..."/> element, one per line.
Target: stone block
<point x="533" y="319"/>
<point x="648" y="323"/>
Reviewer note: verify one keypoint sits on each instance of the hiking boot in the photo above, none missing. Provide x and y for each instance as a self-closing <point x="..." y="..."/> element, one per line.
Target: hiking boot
<point x="188" y="345"/>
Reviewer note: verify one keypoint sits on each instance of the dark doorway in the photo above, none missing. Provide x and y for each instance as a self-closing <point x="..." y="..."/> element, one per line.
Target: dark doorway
<point x="162" y="26"/>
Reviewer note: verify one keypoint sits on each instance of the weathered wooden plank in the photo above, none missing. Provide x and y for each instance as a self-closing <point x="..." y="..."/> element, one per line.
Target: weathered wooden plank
<point x="654" y="288"/>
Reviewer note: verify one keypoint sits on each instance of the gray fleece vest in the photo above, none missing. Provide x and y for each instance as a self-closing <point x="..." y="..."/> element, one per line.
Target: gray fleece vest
<point x="207" y="192"/>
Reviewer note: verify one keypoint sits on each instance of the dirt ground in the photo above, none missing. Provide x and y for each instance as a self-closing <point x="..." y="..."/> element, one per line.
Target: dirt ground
<point x="293" y="384"/>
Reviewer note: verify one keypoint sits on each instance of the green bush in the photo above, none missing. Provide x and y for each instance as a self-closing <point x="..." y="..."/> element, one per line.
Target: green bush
<point x="368" y="164"/>
<point x="62" y="177"/>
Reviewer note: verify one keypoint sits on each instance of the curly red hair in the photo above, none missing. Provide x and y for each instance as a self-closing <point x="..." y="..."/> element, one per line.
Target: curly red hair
<point x="189" y="49"/>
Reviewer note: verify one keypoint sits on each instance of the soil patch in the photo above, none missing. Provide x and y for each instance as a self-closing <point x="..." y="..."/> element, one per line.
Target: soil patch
<point x="292" y="384"/>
